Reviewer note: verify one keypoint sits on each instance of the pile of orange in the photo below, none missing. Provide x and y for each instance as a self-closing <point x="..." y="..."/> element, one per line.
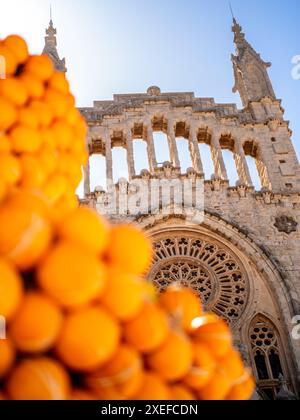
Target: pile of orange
<point x="81" y="322"/>
<point x="41" y="131"/>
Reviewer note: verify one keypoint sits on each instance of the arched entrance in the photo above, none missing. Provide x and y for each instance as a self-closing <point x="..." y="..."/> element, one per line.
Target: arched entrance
<point x="233" y="280"/>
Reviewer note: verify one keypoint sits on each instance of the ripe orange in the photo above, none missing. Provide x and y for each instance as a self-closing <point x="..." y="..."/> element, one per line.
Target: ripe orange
<point x="63" y="133"/>
<point x="43" y="113"/>
<point x="123" y="295"/>
<point x="173" y="360"/>
<point x="8" y="114"/>
<point x="39" y="379"/>
<point x="71" y="275"/>
<point x="37" y="324"/>
<point x="10" y="169"/>
<point x="148" y="330"/>
<point x="82" y="395"/>
<point x="18" y="47"/>
<point x="232" y="365"/>
<point x="89" y="338"/>
<point x="13" y="90"/>
<point x="202" y="369"/>
<point x="59" y="82"/>
<point x="123" y="373"/>
<point x="55" y="187"/>
<point x="57" y="102"/>
<point x="35" y="88"/>
<point x="40" y="66"/>
<point x="25" y="139"/>
<point x="10" y="60"/>
<point x="181" y="393"/>
<point x="153" y="388"/>
<point x="216" y="335"/>
<point x="11" y="290"/>
<point x="85" y="227"/>
<point x="5" y="146"/>
<point x="24" y="241"/>
<point x="182" y="304"/>
<point x="243" y="389"/>
<point x="28" y="118"/>
<point x="33" y="174"/>
<point x="135" y="259"/>
<point x="7" y="356"/>
<point x="217" y="388"/>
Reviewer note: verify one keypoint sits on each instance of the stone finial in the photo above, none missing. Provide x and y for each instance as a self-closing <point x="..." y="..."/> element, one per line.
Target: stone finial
<point x="50" y="48"/>
<point x="154" y="91"/>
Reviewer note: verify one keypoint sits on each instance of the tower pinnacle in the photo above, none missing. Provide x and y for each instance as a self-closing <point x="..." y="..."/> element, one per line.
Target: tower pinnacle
<point x="250" y="71"/>
<point x="50" y="48"/>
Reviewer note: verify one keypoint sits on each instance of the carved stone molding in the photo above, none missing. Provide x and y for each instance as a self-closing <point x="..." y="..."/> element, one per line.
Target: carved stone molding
<point x="286" y="224"/>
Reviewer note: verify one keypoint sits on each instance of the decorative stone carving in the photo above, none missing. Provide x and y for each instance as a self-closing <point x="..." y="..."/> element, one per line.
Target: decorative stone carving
<point x="286" y="224"/>
<point x="154" y="91"/>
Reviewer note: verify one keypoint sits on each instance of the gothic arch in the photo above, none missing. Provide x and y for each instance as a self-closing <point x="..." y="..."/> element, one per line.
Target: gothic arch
<point x="269" y="362"/>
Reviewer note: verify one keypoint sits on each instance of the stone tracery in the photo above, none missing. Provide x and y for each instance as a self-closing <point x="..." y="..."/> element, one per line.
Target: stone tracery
<point x="213" y="272"/>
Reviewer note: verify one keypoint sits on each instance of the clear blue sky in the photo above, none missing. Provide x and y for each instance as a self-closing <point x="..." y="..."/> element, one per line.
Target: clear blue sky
<point x="122" y="46"/>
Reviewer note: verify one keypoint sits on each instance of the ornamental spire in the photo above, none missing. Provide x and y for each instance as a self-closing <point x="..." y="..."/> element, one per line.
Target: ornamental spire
<point x="50" y="48"/>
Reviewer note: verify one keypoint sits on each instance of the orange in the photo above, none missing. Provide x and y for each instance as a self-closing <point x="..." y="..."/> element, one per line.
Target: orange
<point x="13" y="90"/>
<point x="232" y="365"/>
<point x="70" y="167"/>
<point x="11" y="290"/>
<point x="7" y="356"/>
<point x="82" y="395"/>
<point x="10" y="60"/>
<point x="37" y="324"/>
<point x="43" y="113"/>
<point x="63" y="133"/>
<point x="148" y="330"/>
<point x="34" y="87"/>
<point x="64" y="206"/>
<point x="173" y="360"/>
<point x="86" y="228"/>
<point x="40" y="66"/>
<point x="28" y="117"/>
<point x="47" y="158"/>
<point x="58" y="103"/>
<point x="153" y="388"/>
<point x="202" y="369"/>
<point x="182" y="304"/>
<point x="109" y="394"/>
<point x="55" y="187"/>
<point x="8" y="114"/>
<point x="216" y="335"/>
<point x="150" y="292"/>
<point x="25" y="139"/>
<point x="3" y="190"/>
<point x="5" y="146"/>
<point x="39" y="379"/>
<point x="217" y="388"/>
<point x="18" y="47"/>
<point x="123" y="295"/>
<point x="123" y="373"/>
<point x="59" y="82"/>
<point x="2" y="397"/>
<point x="181" y="393"/>
<point x="33" y="174"/>
<point x="89" y="338"/>
<point x="243" y="388"/>
<point x="129" y="250"/>
<point x="10" y="169"/>
<point x="71" y="275"/>
<point x="26" y="239"/>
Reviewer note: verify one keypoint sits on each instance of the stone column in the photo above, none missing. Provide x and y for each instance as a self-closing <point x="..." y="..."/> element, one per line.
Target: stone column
<point x="108" y="155"/>
<point x="194" y="150"/>
<point x="216" y="151"/>
<point x="172" y="144"/>
<point x="86" y="176"/>
<point x="130" y="154"/>
<point x="151" y="148"/>
<point x="241" y="164"/>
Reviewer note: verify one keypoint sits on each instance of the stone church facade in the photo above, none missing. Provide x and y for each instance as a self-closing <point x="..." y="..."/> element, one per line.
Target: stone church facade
<point x="243" y="258"/>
